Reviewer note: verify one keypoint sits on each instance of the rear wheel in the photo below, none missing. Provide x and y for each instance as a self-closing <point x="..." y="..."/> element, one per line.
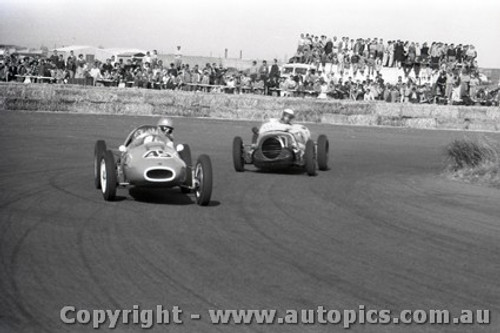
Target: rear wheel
<point x="107" y="175"/>
<point x="323" y="150"/>
<point x="238" y="158"/>
<point x="203" y="177"/>
<point x="99" y="149"/>
<point x="310" y="158"/>
<point x="185" y="155"/>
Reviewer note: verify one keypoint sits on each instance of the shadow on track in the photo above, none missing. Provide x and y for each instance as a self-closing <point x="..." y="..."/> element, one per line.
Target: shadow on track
<point x="161" y="196"/>
<point x="171" y="196"/>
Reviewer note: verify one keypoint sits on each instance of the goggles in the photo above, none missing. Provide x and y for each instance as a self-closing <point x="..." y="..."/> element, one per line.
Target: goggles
<point x="166" y="129"/>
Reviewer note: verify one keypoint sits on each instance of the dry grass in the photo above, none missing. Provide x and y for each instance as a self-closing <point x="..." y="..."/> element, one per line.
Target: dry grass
<point x="474" y="160"/>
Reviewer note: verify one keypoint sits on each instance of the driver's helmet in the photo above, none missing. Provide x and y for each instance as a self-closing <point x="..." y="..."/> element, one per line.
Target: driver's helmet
<point x="166" y="126"/>
<point x="287" y="115"/>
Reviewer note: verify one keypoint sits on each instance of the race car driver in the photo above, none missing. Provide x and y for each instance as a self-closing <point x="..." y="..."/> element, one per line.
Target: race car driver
<point x="166" y="127"/>
<point x="286" y="116"/>
<point x="286" y="119"/>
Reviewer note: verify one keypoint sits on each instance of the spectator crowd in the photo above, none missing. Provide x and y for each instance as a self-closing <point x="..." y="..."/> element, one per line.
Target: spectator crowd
<point x="338" y="69"/>
<point x="353" y="68"/>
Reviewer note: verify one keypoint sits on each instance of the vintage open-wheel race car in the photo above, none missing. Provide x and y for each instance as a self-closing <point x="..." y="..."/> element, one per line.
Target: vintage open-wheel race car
<point x="149" y="159"/>
<point x="277" y="146"/>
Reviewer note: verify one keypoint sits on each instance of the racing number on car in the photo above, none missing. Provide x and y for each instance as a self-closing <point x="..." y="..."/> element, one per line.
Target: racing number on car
<point x="157" y="154"/>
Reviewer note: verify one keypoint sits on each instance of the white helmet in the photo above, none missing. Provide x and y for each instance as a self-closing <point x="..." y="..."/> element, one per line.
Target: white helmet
<point x="288" y="112"/>
<point x="166" y="125"/>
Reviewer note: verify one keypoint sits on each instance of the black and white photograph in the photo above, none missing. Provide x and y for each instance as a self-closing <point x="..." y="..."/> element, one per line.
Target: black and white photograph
<point x="249" y="166"/>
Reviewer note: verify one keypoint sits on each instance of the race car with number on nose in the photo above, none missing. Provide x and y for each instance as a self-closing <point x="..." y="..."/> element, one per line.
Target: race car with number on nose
<point x="149" y="159"/>
<point x="278" y="146"/>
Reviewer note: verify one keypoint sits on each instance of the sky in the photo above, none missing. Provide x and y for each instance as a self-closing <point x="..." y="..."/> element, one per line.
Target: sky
<point x="260" y="29"/>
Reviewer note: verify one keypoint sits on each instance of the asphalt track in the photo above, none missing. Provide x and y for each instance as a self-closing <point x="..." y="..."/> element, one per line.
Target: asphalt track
<point x="383" y="228"/>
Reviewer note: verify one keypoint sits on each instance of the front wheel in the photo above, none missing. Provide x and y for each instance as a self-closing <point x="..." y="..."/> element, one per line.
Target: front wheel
<point x="107" y="175"/>
<point x="185" y="155"/>
<point x="99" y="149"/>
<point x="238" y="158"/>
<point x="310" y="158"/>
<point x="323" y="150"/>
<point x="203" y="178"/>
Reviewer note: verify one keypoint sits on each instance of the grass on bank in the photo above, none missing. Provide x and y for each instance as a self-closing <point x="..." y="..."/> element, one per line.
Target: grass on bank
<point x="474" y="160"/>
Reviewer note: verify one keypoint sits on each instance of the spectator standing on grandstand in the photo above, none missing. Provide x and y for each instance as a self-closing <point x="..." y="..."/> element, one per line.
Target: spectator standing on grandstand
<point x="340" y="63"/>
<point x="178" y="57"/>
<point x="418" y="51"/>
<point x="347" y="63"/>
<point x="362" y="65"/>
<point x="370" y="62"/>
<point x="434" y="54"/>
<point x="424" y="53"/>
<point x="301" y="43"/>
<point x="333" y="48"/>
<point x="340" y="46"/>
<point x="378" y="66"/>
<point x="399" y="54"/>
<point x="354" y="63"/>
<point x="147" y="58"/>
<point x="327" y="52"/>
<point x="154" y="58"/>
<point x="380" y="49"/>
<point x="471" y="54"/>
<point x="389" y="54"/>
<point x="451" y="54"/>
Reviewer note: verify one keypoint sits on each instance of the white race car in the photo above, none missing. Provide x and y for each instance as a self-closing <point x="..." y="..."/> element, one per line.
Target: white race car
<point x="279" y="146"/>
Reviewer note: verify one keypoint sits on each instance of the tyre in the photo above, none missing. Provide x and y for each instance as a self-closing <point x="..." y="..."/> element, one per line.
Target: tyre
<point x="185" y="155"/>
<point x="238" y="158"/>
<point x="203" y="177"/>
<point x="322" y="152"/>
<point x="107" y="175"/>
<point x="99" y="149"/>
<point x="310" y="158"/>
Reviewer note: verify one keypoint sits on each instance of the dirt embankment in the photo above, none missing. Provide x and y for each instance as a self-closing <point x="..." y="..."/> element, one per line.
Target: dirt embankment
<point x="132" y="101"/>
